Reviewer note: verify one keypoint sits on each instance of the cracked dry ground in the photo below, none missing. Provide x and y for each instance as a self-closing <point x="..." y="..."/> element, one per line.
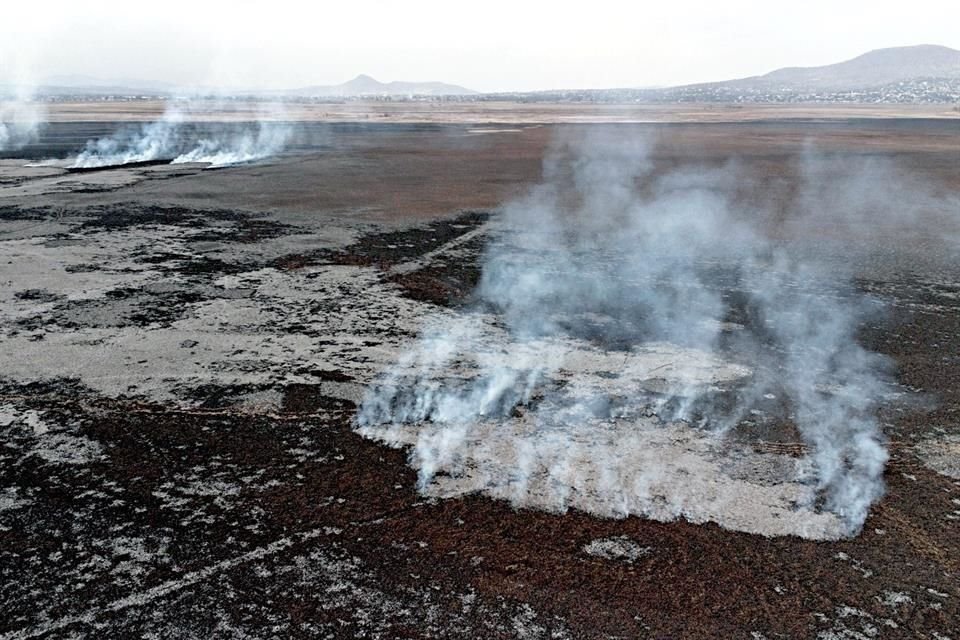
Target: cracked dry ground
<point x="178" y="458"/>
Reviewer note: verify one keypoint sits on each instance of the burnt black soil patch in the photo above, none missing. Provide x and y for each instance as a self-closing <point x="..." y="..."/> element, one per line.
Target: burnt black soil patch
<point x="297" y="398"/>
<point x="85" y="267"/>
<point x="385" y="250"/>
<point x="63" y="386"/>
<point x="92" y="189"/>
<point x="14" y="213"/>
<point x="38" y="295"/>
<point x="164" y="257"/>
<point x="325" y="374"/>
<point x="118" y="308"/>
<point x="125" y="165"/>
<point x="245" y="231"/>
<point x="218" y="225"/>
<point x="199" y="265"/>
<point x="124" y="216"/>
<point x="307" y="398"/>
<point x="221" y="396"/>
<point x="265" y="481"/>
<point x="443" y="282"/>
<point x="447" y="285"/>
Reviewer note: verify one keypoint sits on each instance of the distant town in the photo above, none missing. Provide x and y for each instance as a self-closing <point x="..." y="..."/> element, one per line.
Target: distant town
<point x="921" y="91"/>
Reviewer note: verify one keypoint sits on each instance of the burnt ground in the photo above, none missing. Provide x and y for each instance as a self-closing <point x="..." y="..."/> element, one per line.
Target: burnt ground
<point x="182" y="373"/>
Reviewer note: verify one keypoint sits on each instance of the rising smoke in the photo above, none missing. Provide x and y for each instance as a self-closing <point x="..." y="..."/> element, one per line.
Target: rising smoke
<point x="152" y="141"/>
<point x="175" y="138"/>
<point x="21" y="119"/>
<point x="628" y="322"/>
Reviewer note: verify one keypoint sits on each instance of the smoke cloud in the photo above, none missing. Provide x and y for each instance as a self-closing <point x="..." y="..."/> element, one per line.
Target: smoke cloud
<point x="635" y="332"/>
<point x="21" y="119"/>
<point x="153" y="141"/>
<point x="176" y="138"/>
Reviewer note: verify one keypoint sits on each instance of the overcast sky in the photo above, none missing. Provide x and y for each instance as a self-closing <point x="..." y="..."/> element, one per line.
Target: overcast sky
<point x="487" y="45"/>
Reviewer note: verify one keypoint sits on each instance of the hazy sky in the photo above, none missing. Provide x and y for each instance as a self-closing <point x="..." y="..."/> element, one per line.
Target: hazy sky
<point x="488" y="45"/>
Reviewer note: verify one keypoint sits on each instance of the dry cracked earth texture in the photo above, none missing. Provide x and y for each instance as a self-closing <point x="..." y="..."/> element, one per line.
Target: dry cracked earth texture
<point x="184" y="352"/>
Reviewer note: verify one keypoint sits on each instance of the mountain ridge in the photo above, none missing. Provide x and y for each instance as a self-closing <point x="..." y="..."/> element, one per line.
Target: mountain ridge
<point x="871" y="69"/>
<point x="919" y="74"/>
<point x="363" y="85"/>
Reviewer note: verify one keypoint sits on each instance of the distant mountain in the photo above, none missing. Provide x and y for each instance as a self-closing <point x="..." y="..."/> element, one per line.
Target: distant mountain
<point x="81" y="85"/>
<point x="82" y="81"/>
<point x="870" y="70"/>
<point x="360" y="86"/>
<point x="364" y="85"/>
<point x="58" y="90"/>
<point x="923" y="74"/>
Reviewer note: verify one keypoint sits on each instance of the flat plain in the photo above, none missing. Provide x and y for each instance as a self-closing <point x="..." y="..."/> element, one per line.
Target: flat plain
<point x="185" y="350"/>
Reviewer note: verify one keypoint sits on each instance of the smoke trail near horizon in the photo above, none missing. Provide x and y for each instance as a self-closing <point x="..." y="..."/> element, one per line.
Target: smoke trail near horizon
<point x="627" y="321"/>
<point x="174" y="138"/>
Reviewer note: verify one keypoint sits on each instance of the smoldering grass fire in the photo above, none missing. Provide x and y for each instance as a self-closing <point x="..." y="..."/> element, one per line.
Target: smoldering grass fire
<point x="628" y="325"/>
<point x="176" y="138"/>
<point x="262" y="141"/>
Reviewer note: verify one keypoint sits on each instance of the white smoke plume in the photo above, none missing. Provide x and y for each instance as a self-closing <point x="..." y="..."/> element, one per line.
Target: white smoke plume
<point x="152" y="141"/>
<point x="629" y="321"/>
<point x="184" y="134"/>
<point x="21" y="119"/>
<point x="266" y="140"/>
